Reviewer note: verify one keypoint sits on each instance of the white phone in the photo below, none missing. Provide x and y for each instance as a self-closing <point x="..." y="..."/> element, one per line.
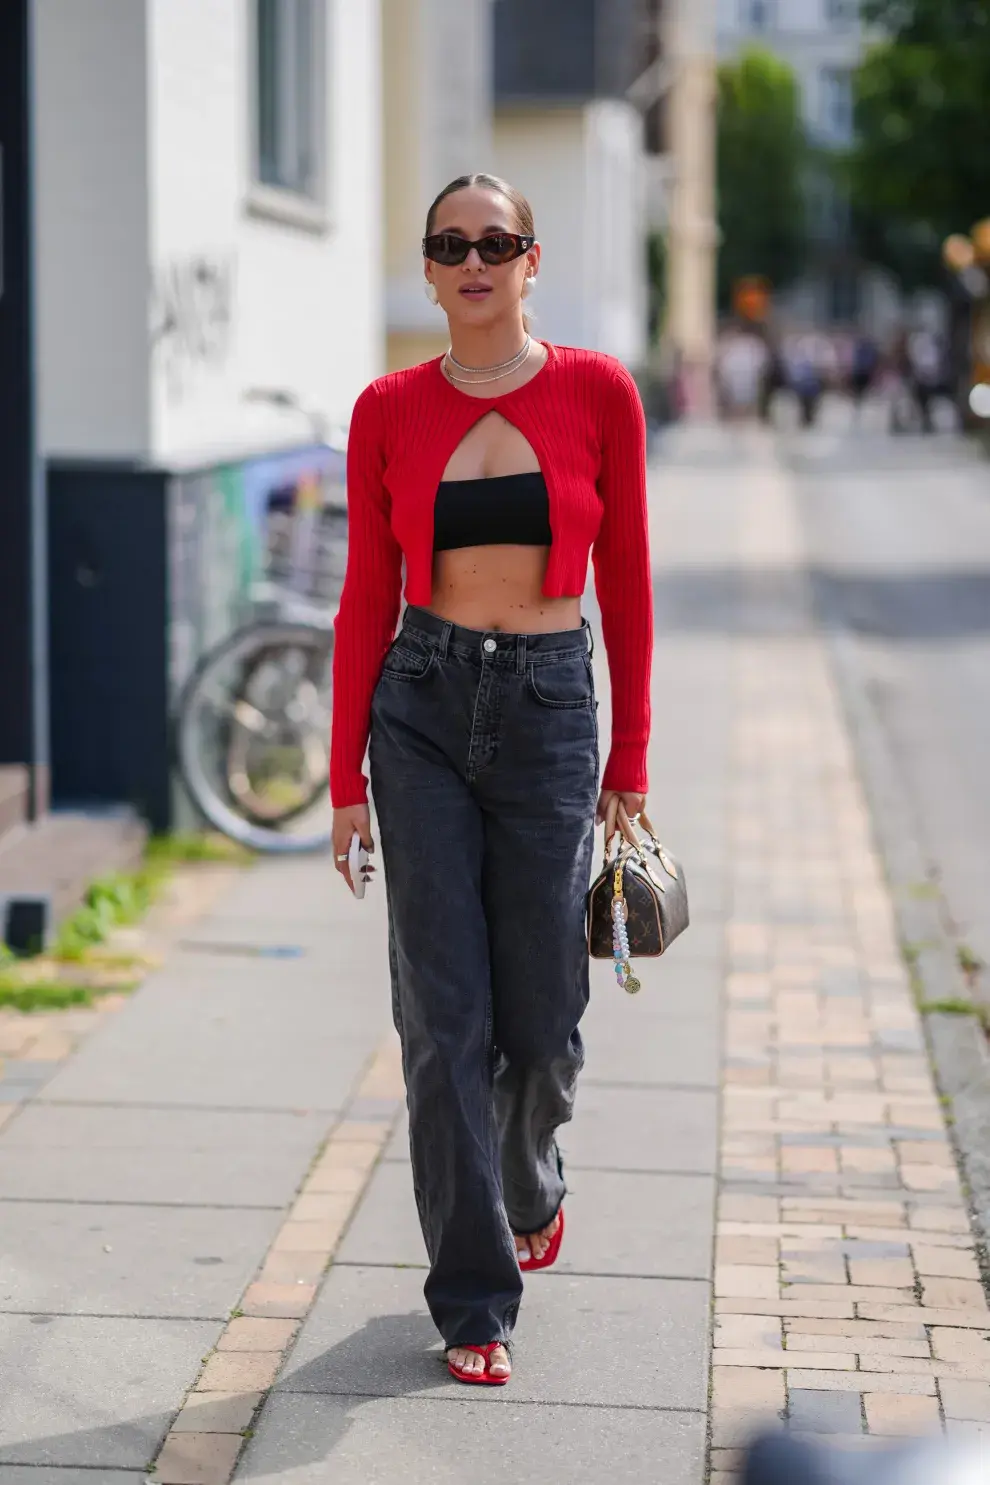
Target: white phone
<point x="358" y="861"/>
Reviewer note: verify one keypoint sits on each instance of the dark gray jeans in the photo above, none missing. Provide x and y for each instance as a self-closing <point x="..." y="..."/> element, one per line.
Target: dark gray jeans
<point x="484" y="769"/>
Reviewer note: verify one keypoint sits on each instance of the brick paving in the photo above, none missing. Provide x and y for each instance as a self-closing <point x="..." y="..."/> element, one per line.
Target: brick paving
<point x="848" y="1293"/>
<point x="205" y="1439"/>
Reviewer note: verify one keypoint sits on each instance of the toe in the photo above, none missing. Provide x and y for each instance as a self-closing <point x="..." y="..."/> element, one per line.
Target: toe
<point x="499" y="1365"/>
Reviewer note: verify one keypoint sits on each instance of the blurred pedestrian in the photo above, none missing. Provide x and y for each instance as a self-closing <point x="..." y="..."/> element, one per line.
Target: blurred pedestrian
<point x="925" y="372"/>
<point x="865" y="363"/>
<point x="804" y="376"/>
<point x="740" y="364"/>
<point x="490" y="471"/>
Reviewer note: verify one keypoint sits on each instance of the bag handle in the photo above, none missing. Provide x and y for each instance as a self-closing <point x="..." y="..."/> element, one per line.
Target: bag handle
<point x="617" y="822"/>
<point x="665" y="860"/>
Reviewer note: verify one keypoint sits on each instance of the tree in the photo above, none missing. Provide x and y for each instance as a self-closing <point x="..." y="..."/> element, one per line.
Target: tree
<point x="761" y="159"/>
<point x="921" y="165"/>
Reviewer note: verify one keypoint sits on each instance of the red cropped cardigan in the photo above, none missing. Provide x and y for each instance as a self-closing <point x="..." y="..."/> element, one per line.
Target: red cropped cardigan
<point x="582" y="416"/>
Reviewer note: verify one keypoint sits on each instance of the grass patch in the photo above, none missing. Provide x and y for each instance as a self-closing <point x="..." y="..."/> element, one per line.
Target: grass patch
<point x="80" y="966"/>
<point x="189" y="847"/>
<point x="111" y="902"/>
<point x="922" y="891"/>
<point x="971" y="964"/>
<point x="957" y="1007"/>
<point x="949" y="1008"/>
<point x="52" y="995"/>
<point x="913" y="952"/>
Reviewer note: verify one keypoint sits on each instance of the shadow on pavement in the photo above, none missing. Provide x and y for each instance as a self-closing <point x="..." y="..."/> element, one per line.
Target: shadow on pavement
<point x="917" y="605"/>
<point x="391" y="1356"/>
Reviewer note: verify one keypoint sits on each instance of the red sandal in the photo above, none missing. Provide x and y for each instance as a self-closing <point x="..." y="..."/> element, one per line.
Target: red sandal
<point x="530" y="1265"/>
<point x="478" y="1379"/>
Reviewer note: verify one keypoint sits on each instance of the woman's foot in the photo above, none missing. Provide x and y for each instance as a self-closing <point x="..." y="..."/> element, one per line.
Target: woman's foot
<point x="474" y="1364"/>
<point x="535" y="1244"/>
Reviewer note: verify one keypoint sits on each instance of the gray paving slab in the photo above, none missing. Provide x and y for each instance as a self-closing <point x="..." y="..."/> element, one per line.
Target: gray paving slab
<point x="216" y="1157"/>
<point x="79" y="1258"/>
<point x="635" y="1040"/>
<point x="32" y="1474"/>
<point x="673" y="989"/>
<point x="268" y="1038"/>
<point x="653" y="1225"/>
<point x="93" y="1393"/>
<point x="369" y="1334"/>
<point x="648" y="1129"/>
<point x="376" y="1441"/>
<point x="627" y="1129"/>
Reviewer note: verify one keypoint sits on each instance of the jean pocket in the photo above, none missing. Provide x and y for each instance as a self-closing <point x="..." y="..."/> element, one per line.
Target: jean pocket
<point x="405" y="662"/>
<point x="564" y="684"/>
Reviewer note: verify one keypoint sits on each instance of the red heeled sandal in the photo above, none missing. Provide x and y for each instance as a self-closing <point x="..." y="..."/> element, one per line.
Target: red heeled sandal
<point x="478" y="1379"/>
<point x="530" y="1265"/>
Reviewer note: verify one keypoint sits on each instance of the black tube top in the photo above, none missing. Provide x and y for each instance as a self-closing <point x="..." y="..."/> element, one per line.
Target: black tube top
<point x="506" y="510"/>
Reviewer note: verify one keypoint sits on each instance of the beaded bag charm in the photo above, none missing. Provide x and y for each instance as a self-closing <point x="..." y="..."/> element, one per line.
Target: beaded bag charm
<point x="620" y="937"/>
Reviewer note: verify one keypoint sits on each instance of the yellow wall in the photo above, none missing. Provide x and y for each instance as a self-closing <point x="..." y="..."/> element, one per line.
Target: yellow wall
<point x="409" y="347"/>
<point x="404" y="127"/>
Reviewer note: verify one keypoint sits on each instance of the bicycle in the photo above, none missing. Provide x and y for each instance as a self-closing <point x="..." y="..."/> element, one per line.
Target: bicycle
<point x="252" y="723"/>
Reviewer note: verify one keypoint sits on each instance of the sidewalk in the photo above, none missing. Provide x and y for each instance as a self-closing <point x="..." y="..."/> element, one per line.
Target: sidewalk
<point x="172" y="1196"/>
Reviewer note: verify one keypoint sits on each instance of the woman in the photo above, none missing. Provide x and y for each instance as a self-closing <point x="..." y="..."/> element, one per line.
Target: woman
<point x="491" y="471"/>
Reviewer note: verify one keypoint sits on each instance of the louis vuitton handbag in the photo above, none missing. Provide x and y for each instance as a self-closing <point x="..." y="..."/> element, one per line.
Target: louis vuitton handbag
<point x="638" y="903"/>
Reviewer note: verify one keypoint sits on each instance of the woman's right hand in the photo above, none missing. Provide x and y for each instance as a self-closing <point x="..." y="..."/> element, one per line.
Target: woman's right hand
<point x="354" y="819"/>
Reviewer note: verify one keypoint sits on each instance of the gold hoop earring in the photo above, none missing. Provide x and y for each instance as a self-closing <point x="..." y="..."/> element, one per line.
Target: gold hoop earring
<point x="430" y="291"/>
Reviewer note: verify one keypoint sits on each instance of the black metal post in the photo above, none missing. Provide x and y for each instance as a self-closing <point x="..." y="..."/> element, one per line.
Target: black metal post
<point x="23" y="605"/>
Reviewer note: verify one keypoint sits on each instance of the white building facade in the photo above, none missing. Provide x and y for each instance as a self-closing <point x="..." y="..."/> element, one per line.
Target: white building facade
<point x="538" y="96"/>
<point x="208" y="223"/>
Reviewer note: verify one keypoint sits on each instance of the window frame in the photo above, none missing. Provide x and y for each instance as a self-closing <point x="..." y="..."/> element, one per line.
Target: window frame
<point x="308" y="210"/>
<point x="747" y="24"/>
<point x="839" y="13"/>
<point x="836" y="138"/>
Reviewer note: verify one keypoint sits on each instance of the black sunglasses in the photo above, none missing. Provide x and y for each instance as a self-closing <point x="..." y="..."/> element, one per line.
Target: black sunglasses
<point x="449" y="250"/>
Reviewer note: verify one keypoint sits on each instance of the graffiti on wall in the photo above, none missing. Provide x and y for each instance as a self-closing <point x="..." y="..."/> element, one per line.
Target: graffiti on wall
<point x="192" y="318"/>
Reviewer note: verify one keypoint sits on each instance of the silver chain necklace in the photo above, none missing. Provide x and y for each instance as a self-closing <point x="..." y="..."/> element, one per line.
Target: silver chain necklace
<point x="512" y="362"/>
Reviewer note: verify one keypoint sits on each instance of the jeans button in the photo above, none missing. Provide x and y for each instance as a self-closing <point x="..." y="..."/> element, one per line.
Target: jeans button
<point x="489" y="647"/>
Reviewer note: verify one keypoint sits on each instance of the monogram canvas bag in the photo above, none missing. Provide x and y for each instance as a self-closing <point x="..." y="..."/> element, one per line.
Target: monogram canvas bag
<point x="638" y="902"/>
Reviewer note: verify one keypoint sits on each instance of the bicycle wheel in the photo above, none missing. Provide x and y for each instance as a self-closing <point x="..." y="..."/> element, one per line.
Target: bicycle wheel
<point x="252" y="737"/>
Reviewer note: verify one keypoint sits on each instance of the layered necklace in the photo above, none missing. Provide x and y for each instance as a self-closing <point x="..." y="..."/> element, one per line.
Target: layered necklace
<point x="479" y="375"/>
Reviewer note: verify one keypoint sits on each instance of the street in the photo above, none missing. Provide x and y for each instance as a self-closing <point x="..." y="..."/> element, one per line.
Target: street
<point x="898" y="532"/>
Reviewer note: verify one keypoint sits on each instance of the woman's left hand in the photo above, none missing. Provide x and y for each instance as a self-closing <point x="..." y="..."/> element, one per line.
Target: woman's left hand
<point x="608" y="808"/>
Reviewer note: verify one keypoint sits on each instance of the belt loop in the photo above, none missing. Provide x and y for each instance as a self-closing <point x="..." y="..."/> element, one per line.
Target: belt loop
<point x="591" y="641"/>
<point x="520" y="654"/>
<point x="445" y="634"/>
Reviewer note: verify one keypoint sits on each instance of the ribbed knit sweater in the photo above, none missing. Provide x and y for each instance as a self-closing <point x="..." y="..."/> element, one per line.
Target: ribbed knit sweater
<point x="582" y="416"/>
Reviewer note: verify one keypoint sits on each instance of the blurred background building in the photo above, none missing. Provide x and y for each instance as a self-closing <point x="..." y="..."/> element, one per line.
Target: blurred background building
<point x="822" y="42"/>
<point x="540" y="95"/>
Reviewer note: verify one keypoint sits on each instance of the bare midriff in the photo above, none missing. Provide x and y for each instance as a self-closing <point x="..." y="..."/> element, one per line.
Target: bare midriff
<point x="500" y="588"/>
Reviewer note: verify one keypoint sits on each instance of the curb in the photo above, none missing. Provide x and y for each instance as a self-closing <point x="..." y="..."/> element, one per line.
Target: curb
<point x="957" y="1044"/>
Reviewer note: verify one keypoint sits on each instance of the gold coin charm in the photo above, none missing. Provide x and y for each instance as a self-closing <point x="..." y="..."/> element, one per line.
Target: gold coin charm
<point x="633" y="986"/>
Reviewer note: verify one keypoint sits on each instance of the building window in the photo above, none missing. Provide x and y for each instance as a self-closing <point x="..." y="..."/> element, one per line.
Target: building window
<point x="289" y="103"/>
<point x="756" y="15"/>
<point x="836" y="116"/>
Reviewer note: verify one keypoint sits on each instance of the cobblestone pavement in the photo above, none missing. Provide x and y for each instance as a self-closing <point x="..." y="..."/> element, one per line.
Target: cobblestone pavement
<point x="848" y="1293"/>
